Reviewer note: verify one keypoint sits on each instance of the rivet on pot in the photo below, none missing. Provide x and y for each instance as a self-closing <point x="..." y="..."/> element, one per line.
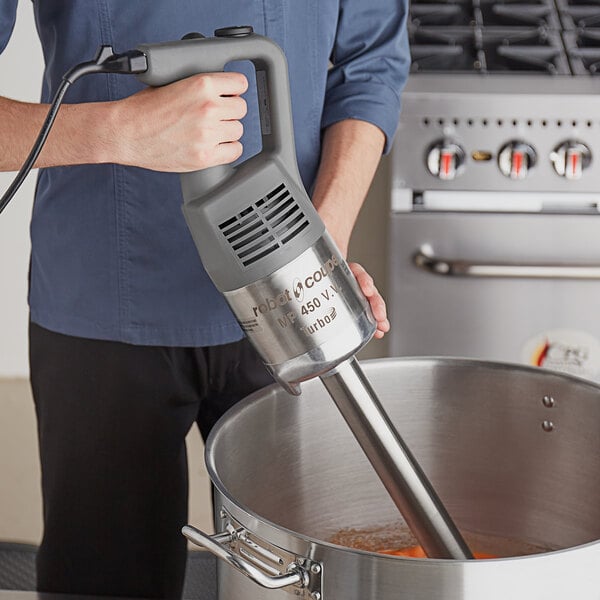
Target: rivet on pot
<point x="548" y="426"/>
<point x="548" y="401"/>
<point x="315" y="569"/>
<point x="222" y="514"/>
<point x="315" y="596"/>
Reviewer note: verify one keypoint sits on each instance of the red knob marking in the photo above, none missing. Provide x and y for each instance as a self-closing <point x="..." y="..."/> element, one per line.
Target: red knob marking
<point x="574" y="163"/>
<point x="446" y="162"/>
<point x="517" y="163"/>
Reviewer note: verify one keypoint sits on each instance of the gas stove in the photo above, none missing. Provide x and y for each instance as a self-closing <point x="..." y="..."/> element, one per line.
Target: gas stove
<point x="502" y="96"/>
<point x="494" y="240"/>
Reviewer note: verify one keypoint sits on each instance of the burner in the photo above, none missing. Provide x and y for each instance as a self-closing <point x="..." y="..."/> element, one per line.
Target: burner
<point x="493" y="50"/>
<point x="583" y="49"/>
<point x="442" y="49"/>
<point x="554" y="37"/>
<point x="587" y="38"/>
<point x="590" y="3"/>
<point x="430" y="13"/>
<point x="519" y="14"/>
<point x="581" y="16"/>
<point x="524" y="50"/>
<point x="579" y="13"/>
<point x="429" y="57"/>
<point x="526" y="58"/>
<point x="484" y="13"/>
<point x="589" y="60"/>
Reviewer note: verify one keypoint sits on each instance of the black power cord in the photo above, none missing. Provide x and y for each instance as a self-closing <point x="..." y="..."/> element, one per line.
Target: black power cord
<point x="105" y="61"/>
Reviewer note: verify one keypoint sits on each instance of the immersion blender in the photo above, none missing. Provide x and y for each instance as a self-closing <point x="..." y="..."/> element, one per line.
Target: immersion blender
<point x="266" y="249"/>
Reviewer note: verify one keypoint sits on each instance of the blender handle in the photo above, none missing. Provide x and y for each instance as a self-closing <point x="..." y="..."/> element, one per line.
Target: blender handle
<point x="295" y="575"/>
<point x="171" y="61"/>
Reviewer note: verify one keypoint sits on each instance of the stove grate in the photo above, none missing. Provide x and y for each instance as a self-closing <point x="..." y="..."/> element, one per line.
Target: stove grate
<point x="554" y="37"/>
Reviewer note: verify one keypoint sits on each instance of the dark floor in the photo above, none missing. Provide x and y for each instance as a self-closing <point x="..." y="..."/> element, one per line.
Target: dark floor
<point x="17" y="571"/>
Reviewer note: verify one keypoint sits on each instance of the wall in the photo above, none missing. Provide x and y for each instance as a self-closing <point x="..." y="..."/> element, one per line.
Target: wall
<point x="20" y="77"/>
<point x="20" y="501"/>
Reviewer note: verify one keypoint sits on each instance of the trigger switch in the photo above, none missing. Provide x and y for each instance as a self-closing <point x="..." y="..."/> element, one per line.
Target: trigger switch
<point x="237" y="31"/>
<point x="193" y="35"/>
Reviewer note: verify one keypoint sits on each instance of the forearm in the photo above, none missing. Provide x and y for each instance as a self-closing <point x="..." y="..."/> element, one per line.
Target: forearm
<point x="188" y="125"/>
<point x="350" y="155"/>
<point x="82" y="134"/>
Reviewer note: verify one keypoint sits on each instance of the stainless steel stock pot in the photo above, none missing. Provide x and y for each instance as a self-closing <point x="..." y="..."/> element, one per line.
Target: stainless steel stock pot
<point x="513" y="451"/>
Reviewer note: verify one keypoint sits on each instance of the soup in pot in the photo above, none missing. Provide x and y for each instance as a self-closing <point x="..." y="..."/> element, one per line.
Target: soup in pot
<point x="396" y="539"/>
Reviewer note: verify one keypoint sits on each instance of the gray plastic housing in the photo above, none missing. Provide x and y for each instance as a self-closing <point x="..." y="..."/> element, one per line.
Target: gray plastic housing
<point x="246" y="221"/>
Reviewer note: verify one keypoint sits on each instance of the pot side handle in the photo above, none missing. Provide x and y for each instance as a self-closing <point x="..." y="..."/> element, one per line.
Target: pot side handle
<point x="295" y="575"/>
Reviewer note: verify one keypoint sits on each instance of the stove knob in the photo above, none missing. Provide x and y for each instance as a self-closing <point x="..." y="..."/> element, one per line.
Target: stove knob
<point x="445" y="160"/>
<point x="570" y="158"/>
<point x="515" y="159"/>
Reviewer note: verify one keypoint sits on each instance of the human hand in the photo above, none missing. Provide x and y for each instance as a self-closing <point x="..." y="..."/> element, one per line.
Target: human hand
<point x="187" y="125"/>
<point x="365" y="281"/>
<point x="375" y="299"/>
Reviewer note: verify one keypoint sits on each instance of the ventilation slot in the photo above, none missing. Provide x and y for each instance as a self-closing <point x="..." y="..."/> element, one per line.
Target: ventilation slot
<point x="264" y="226"/>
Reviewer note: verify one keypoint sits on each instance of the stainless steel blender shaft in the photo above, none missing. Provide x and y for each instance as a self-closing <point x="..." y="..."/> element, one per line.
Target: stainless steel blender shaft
<point x="397" y="468"/>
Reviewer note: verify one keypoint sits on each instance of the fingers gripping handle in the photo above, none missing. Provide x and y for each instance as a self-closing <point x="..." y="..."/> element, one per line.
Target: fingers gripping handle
<point x="171" y="61"/>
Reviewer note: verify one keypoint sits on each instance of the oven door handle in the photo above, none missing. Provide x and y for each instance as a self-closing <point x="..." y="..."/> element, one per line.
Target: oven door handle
<point x="424" y="258"/>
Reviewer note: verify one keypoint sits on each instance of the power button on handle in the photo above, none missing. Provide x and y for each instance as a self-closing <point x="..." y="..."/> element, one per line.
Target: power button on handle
<point x="235" y="31"/>
<point x="193" y="35"/>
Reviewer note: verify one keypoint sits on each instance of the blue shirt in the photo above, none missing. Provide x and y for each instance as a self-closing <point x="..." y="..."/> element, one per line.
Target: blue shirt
<point x="111" y="255"/>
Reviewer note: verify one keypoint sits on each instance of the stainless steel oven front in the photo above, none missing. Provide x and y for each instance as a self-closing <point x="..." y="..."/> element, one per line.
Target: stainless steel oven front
<point x="516" y="287"/>
<point x="495" y="228"/>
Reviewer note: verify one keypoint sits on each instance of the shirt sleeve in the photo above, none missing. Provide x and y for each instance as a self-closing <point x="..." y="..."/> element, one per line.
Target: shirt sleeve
<point x="8" y="12"/>
<point x="370" y="65"/>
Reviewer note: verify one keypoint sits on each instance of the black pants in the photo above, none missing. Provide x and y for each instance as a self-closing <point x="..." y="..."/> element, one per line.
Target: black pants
<point x="112" y="421"/>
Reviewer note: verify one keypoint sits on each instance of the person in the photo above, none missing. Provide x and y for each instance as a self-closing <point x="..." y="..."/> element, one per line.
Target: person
<point x="130" y="343"/>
